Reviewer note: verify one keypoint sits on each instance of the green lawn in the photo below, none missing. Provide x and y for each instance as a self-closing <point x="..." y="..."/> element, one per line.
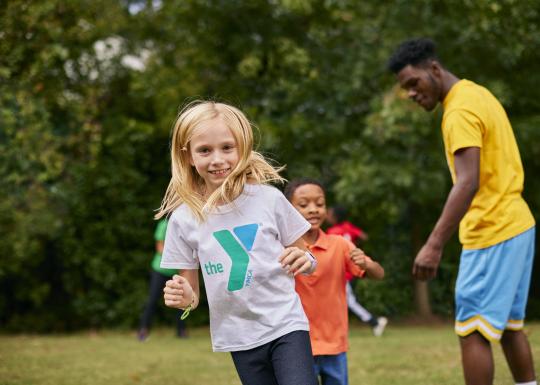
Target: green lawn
<point x="404" y="355"/>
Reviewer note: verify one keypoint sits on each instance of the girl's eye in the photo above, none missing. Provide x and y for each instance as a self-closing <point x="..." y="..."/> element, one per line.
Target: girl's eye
<point x="228" y="147"/>
<point x="203" y="150"/>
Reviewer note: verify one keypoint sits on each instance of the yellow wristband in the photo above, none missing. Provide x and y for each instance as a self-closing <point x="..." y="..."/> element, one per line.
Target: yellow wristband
<point x="188" y="309"/>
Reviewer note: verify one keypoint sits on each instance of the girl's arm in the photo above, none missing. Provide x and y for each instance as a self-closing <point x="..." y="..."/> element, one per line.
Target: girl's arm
<point x="182" y="290"/>
<point x="297" y="259"/>
<point x="373" y="269"/>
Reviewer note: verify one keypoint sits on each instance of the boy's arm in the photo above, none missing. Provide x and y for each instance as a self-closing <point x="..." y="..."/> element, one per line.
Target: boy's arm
<point x="363" y="236"/>
<point x="159" y="246"/>
<point x="373" y="269"/>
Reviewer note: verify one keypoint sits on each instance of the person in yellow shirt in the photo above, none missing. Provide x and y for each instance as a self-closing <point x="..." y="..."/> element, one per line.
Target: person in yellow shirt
<point x="496" y="227"/>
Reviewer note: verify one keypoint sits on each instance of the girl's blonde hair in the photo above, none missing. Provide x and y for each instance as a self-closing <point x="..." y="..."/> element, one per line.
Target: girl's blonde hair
<point x="187" y="186"/>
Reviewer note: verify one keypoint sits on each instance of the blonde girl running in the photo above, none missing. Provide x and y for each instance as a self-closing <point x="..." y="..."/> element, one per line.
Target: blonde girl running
<point x="246" y="237"/>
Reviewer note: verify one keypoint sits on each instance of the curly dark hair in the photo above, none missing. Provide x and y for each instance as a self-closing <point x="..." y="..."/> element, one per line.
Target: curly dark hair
<point x="340" y="213"/>
<point x="294" y="184"/>
<point x="413" y="52"/>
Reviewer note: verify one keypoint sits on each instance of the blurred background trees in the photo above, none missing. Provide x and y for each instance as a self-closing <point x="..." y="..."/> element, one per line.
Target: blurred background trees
<point x="89" y="91"/>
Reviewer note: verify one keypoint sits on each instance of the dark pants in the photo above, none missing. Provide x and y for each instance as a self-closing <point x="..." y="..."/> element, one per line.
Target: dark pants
<point x="285" y="361"/>
<point x="157" y="283"/>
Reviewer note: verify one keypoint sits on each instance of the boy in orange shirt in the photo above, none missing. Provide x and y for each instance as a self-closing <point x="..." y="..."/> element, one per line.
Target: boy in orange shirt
<point x="323" y="293"/>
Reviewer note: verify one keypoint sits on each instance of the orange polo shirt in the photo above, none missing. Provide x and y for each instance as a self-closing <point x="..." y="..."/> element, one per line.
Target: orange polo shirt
<point x="323" y="294"/>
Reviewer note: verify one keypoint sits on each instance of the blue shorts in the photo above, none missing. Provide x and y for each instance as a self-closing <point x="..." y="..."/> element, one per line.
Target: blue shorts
<point x="493" y="285"/>
<point x="332" y="369"/>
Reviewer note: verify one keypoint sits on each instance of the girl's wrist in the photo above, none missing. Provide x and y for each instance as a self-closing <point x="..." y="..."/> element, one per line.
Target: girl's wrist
<point x="192" y="305"/>
<point x="195" y="301"/>
<point x="311" y="258"/>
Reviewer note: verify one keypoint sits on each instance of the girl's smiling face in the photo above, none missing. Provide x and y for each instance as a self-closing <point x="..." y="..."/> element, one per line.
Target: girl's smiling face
<point x="309" y="200"/>
<point x="213" y="152"/>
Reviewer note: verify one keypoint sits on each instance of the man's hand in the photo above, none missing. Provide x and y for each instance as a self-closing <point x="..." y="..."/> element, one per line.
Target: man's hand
<point x="427" y="262"/>
<point x="295" y="261"/>
<point x="178" y="293"/>
<point x="359" y="258"/>
<point x="467" y="167"/>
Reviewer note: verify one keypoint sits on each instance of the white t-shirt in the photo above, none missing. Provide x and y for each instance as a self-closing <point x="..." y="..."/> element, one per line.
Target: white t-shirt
<point x="252" y="301"/>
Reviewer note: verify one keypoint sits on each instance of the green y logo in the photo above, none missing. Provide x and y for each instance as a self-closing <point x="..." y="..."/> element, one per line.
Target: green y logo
<point x="235" y="251"/>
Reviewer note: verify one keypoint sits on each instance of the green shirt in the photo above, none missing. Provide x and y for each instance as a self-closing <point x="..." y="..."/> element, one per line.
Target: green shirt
<point x="159" y="235"/>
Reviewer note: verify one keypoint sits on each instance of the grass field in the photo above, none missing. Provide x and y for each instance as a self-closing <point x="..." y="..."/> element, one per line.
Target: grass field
<point x="404" y="355"/>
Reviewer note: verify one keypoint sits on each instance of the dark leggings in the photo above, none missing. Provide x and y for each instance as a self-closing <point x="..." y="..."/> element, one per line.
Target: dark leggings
<point x="285" y="361"/>
<point x="155" y="293"/>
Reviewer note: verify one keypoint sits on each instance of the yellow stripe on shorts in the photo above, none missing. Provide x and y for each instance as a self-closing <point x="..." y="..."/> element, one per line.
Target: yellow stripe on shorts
<point x="477" y="323"/>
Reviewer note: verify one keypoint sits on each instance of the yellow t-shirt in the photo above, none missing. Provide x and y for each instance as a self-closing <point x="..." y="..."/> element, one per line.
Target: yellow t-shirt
<point x="473" y="117"/>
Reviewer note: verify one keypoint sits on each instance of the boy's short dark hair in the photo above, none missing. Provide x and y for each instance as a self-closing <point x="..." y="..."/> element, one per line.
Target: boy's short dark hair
<point x="340" y="213"/>
<point x="295" y="183"/>
<point x="413" y="52"/>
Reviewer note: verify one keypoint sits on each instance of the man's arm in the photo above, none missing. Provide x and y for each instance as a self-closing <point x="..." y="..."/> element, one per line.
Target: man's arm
<point x="467" y="166"/>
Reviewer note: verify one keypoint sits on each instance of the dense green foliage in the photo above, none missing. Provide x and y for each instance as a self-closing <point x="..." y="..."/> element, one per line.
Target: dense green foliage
<point x="84" y="133"/>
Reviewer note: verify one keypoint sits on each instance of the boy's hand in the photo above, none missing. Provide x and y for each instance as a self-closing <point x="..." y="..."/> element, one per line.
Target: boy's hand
<point x="359" y="258"/>
<point x="178" y="293"/>
<point x="295" y="261"/>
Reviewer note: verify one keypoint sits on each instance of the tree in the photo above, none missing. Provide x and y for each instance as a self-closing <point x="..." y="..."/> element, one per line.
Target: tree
<point x="89" y="91"/>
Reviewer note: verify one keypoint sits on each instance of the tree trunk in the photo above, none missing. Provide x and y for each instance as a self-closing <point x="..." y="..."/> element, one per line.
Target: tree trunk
<point x="421" y="299"/>
<point x="421" y="288"/>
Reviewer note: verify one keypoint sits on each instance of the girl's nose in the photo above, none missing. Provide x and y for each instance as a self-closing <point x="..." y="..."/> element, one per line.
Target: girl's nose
<point x="217" y="157"/>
